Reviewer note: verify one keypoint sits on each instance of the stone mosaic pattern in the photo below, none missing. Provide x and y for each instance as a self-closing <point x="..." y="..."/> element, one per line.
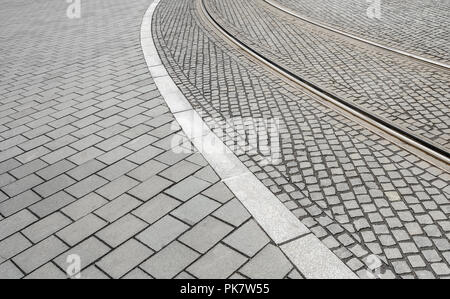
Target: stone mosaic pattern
<point x="416" y="26"/>
<point x="410" y="95"/>
<point x="357" y="192"/>
<point x="92" y="162"/>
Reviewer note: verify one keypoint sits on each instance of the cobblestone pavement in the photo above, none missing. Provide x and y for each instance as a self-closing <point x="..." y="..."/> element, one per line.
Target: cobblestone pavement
<point x="416" y="26"/>
<point x="357" y="192"/>
<point x="88" y="162"/>
<point x="410" y="95"/>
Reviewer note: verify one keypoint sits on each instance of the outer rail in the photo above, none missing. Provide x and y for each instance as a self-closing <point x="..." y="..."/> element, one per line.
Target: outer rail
<point x="367" y="41"/>
<point x="429" y="148"/>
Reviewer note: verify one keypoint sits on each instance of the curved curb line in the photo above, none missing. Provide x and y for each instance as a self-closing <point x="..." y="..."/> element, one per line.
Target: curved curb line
<point x="306" y="252"/>
<point x="370" y="42"/>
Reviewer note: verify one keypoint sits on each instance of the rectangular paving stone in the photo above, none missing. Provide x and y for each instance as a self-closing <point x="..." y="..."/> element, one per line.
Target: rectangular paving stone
<point x="22" y="185"/>
<point x="81" y="229"/>
<point x="28" y="169"/>
<point x="10" y="153"/>
<point x="248" y="239"/>
<point x="136" y="274"/>
<point x="187" y="188"/>
<point x="6" y="179"/>
<point x="56" y="169"/>
<point x="19" y="202"/>
<point x="180" y="171"/>
<point x="121" y="230"/>
<point x="206" y="234"/>
<point x="207" y="174"/>
<point x="219" y="192"/>
<point x="124" y="258"/>
<point x="83" y="171"/>
<point x="118" y="207"/>
<point x="150" y="188"/>
<point x="58" y="155"/>
<point x="84" y="206"/>
<point x="140" y="142"/>
<point x="89" y="251"/>
<point x="86" y="142"/>
<point x="46" y="227"/>
<point x="117" y="170"/>
<point x="170" y="261"/>
<point x="8" y="165"/>
<point x="9" y="271"/>
<point x="269" y="263"/>
<point x="195" y="209"/>
<point x="233" y="212"/>
<point x="48" y="271"/>
<point x="35" y="142"/>
<point x="117" y="187"/>
<point x="54" y="185"/>
<point x="170" y="157"/>
<point x="86" y="186"/>
<point x="156" y="208"/>
<point x="145" y="154"/>
<point x="39" y="254"/>
<point x="86" y="155"/>
<point x="15" y="223"/>
<point x="92" y="272"/>
<point x="13" y="245"/>
<point x="162" y="232"/>
<point x="3" y="197"/>
<point x="115" y="155"/>
<point x="111" y="143"/>
<point x="219" y="263"/>
<point x="147" y="170"/>
<point x="51" y="204"/>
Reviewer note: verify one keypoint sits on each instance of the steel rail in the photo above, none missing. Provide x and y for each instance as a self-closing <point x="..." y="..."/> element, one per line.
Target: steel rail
<point x="378" y="122"/>
<point x="358" y="38"/>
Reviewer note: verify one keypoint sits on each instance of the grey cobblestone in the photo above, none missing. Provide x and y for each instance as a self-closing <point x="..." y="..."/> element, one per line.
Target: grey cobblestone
<point x="96" y="118"/>
<point x="399" y="23"/>
<point x="318" y="145"/>
<point x="271" y="33"/>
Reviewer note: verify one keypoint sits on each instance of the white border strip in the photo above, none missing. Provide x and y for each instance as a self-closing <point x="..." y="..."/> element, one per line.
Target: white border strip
<point x="292" y="13"/>
<point x="304" y="250"/>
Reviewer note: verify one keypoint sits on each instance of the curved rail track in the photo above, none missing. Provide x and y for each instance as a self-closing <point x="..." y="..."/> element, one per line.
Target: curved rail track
<point x="438" y="154"/>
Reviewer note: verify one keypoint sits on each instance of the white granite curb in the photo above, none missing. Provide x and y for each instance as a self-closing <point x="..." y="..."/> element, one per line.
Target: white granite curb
<point x="306" y="252"/>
